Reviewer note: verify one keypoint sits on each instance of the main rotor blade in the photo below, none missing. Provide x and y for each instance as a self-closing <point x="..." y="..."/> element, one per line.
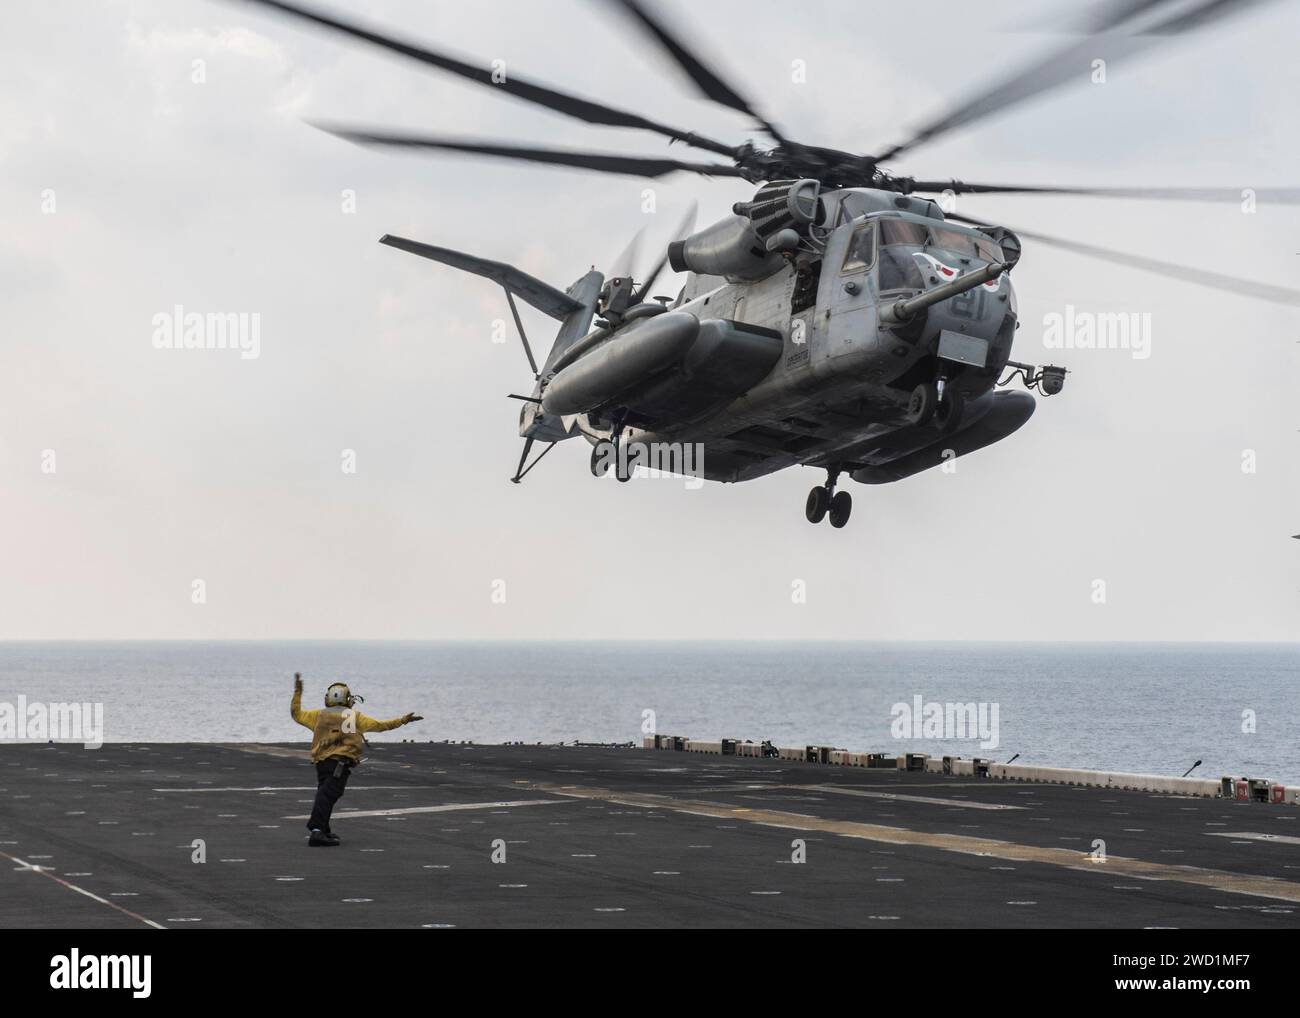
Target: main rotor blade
<point x="1098" y="16"/>
<point x="1062" y="65"/>
<point x="1112" y="13"/>
<point x="706" y="79"/>
<point x="1202" y="277"/>
<point x="582" y="109"/>
<point x="1280" y="195"/>
<point x="683" y="228"/>
<point x="637" y="166"/>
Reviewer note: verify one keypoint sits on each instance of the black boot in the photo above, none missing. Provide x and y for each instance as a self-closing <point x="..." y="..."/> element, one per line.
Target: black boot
<point x="322" y="839"/>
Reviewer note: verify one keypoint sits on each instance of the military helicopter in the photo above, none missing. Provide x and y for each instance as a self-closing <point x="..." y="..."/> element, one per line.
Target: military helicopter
<point x="838" y="319"/>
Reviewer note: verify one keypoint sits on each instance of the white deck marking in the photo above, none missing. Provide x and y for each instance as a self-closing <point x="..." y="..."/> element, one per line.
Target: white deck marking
<point x="82" y="890"/>
<point x="296" y="788"/>
<point x="1284" y="839"/>
<point x="840" y="790"/>
<point x="446" y="808"/>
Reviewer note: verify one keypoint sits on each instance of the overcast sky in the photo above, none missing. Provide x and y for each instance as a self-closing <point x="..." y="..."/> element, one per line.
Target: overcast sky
<point x="127" y="187"/>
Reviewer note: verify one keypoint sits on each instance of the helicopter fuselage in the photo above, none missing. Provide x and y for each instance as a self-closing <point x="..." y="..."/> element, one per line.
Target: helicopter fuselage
<point x="842" y="375"/>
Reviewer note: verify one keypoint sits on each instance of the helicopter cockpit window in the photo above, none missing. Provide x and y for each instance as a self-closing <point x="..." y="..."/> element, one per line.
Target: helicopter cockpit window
<point x="851" y="207"/>
<point x="962" y="244"/>
<point x="988" y="250"/>
<point x="898" y="269"/>
<point x="965" y="244"/>
<point x="862" y="249"/>
<point x="900" y="231"/>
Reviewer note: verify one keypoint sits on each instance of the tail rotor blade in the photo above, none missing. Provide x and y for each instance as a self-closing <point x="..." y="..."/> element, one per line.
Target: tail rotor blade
<point x="625" y="264"/>
<point x="684" y="229"/>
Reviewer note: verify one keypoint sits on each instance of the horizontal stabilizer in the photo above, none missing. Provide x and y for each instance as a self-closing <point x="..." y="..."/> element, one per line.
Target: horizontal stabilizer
<point x="546" y="298"/>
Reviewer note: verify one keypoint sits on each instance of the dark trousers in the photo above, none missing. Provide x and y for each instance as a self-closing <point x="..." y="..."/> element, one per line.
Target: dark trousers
<point x="331" y="780"/>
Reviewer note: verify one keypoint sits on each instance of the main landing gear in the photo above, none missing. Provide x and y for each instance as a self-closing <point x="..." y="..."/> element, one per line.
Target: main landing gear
<point x="824" y="500"/>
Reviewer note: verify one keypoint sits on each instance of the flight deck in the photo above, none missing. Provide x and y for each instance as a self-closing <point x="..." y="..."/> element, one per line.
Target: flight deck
<point x="437" y="835"/>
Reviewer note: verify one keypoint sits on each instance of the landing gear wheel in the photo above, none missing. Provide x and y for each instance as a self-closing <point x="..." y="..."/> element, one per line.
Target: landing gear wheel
<point x="950" y="409"/>
<point x="920" y="408"/>
<point x="602" y="454"/>
<point x="841" y="507"/>
<point x="819" y="501"/>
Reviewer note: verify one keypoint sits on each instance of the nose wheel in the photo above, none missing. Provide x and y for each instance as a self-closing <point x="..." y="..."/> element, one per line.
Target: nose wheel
<point x="825" y="501"/>
<point x="939" y="403"/>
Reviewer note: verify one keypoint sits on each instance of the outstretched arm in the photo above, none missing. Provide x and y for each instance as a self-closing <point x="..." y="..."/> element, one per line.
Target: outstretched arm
<point x="306" y="718"/>
<point x="367" y="724"/>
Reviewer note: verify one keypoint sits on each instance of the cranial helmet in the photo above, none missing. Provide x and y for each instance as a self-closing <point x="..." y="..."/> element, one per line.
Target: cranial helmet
<point x="338" y="695"/>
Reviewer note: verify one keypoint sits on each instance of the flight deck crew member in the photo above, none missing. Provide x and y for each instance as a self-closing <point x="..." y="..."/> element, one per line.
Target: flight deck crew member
<point x="336" y="745"/>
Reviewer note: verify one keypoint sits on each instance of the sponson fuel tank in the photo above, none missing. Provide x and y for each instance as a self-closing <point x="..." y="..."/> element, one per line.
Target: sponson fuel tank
<point x="670" y="356"/>
<point x="1007" y="411"/>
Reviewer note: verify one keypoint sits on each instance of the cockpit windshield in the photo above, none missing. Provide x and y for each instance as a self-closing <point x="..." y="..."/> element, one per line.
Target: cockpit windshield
<point x="964" y="244"/>
<point x="902" y="231"/>
<point x="898" y="267"/>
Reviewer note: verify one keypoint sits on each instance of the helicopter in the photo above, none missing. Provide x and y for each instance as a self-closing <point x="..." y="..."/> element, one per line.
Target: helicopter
<point x="839" y="319"/>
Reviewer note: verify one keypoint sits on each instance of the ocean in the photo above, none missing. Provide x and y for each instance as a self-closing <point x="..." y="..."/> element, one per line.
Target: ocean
<point x="1153" y="708"/>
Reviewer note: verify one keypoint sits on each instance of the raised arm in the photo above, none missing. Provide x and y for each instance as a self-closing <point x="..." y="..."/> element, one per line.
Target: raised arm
<point x="306" y="718"/>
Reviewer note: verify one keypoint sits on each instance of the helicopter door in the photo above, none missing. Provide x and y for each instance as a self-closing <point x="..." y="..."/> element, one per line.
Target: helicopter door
<point x="852" y="294"/>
